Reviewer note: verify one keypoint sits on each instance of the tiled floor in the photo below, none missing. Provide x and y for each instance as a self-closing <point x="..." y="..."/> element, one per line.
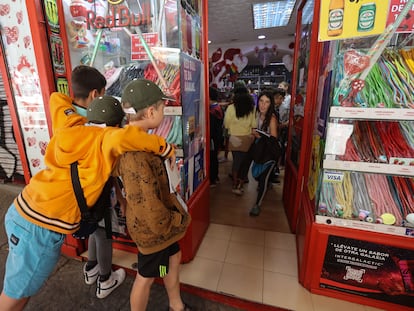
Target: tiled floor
<point x="256" y="265"/>
<point x="253" y="257"/>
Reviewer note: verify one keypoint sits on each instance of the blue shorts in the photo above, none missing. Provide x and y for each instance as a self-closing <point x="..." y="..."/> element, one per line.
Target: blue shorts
<point x="33" y="254"/>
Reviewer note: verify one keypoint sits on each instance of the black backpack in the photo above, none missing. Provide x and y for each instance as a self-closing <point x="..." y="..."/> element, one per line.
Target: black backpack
<point x="100" y="210"/>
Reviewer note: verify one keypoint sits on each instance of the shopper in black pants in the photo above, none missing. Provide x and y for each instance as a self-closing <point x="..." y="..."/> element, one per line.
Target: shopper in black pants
<point x="278" y="97"/>
<point x="216" y="134"/>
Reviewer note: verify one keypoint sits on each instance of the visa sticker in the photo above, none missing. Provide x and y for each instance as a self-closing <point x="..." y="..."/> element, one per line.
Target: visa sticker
<point x="333" y="177"/>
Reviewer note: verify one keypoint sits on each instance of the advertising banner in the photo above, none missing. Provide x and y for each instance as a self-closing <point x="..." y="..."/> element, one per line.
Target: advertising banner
<point x="370" y="270"/>
<point x="341" y="19"/>
<point x="407" y="25"/>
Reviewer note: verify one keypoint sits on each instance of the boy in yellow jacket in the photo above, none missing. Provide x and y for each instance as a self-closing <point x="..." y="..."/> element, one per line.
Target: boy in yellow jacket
<point x="46" y="209"/>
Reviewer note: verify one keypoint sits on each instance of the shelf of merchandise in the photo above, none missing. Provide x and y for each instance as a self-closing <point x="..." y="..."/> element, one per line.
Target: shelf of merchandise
<point x="362" y="261"/>
<point x="260" y="82"/>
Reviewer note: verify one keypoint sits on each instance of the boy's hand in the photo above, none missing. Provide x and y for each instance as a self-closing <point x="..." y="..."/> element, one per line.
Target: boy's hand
<point x="172" y="160"/>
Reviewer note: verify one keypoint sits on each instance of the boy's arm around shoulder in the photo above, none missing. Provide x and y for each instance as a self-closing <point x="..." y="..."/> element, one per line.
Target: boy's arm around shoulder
<point x="133" y="138"/>
<point x="62" y="112"/>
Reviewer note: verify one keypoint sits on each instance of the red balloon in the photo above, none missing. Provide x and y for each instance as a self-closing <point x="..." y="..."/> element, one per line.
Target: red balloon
<point x="216" y="55"/>
<point x="217" y="67"/>
<point x="229" y="54"/>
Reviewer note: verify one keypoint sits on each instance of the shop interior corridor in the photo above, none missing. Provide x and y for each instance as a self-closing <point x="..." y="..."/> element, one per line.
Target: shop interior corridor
<point x="253" y="258"/>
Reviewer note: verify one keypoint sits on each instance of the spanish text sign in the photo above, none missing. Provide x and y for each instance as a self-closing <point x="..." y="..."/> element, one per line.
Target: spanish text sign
<point x="396" y="6"/>
<point x="341" y="19"/>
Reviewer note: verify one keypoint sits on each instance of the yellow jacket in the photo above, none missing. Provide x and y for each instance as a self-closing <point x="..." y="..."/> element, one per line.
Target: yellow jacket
<point x="48" y="200"/>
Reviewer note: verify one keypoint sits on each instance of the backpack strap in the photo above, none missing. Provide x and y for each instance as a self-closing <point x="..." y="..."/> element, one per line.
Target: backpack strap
<point x="80" y="198"/>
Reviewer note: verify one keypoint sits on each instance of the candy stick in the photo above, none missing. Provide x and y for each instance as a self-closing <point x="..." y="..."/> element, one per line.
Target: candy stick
<point x="383" y="40"/>
<point x="151" y="57"/>
<point x="95" y="49"/>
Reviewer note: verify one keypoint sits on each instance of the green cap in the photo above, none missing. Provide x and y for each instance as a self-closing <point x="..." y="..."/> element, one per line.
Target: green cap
<point x="105" y="109"/>
<point x="142" y="93"/>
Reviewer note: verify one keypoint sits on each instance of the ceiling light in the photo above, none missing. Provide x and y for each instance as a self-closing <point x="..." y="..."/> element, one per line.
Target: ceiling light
<point x="272" y="14"/>
<point x="209" y="41"/>
<point x="261" y="37"/>
<point x="307" y="13"/>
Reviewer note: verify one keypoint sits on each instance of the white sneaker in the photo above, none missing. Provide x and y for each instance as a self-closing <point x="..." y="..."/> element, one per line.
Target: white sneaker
<point x="105" y="288"/>
<point x="92" y="275"/>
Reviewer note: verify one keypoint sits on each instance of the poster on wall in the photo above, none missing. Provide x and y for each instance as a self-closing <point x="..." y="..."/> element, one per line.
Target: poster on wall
<point x="21" y="61"/>
<point x="407" y="25"/>
<point x="370" y="270"/>
<point x="341" y="19"/>
<point x="190" y="96"/>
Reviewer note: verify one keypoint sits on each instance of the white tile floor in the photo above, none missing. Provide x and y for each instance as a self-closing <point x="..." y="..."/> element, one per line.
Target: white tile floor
<point x="256" y="265"/>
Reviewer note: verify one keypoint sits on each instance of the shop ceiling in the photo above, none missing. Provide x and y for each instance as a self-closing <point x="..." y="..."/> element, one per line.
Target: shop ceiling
<point x="231" y="22"/>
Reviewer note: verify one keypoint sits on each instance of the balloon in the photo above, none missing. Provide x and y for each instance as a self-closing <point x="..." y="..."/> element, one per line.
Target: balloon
<point x="288" y="62"/>
<point x="217" y="67"/>
<point x="216" y="55"/>
<point x="230" y="53"/>
<point x="240" y="61"/>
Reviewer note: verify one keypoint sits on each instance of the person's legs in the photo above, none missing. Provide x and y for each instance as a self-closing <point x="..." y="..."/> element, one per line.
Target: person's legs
<point x="33" y="254"/>
<point x="263" y="185"/>
<point x="108" y="280"/>
<point x="91" y="268"/>
<point x="103" y="252"/>
<point x="214" y="166"/>
<point x="235" y="167"/>
<point x="172" y="283"/>
<point x="9" y="304"/>
<point x="140" y="293"/>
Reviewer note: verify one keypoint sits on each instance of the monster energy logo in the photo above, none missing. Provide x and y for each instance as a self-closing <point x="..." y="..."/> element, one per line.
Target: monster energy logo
<point x="51" y="11"/>
<point x="163" y="271"/>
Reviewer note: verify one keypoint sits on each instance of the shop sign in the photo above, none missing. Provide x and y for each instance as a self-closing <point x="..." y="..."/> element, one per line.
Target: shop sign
<point x="407" y="25"/>
<point x="370" y="270"/>
<point x="138" y="51"/>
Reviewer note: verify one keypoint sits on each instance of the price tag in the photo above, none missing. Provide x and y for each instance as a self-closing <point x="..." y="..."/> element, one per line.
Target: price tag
<point x="333" y="177"/>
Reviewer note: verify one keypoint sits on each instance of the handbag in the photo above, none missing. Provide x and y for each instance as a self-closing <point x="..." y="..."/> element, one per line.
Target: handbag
<point x="264" y="149"/>
<point x="91" y="216"/>
<point x="240" y="143"/>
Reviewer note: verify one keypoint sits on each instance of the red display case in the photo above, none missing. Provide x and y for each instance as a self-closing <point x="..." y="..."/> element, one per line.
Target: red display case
<point x="353" y="241"/>
<point x="163" y="41"/>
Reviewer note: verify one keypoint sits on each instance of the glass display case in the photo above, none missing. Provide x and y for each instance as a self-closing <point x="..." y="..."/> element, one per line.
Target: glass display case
<point x="152" y="39"/>
<point x="367" y="181"/>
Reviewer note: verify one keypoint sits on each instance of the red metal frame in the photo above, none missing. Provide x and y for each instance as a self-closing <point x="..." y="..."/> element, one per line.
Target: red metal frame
<point x="44" y="62"/>
<point x="296" y="177"/>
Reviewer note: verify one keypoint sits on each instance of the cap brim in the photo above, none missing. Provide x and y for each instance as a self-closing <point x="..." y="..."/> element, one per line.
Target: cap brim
<point x="170" y="98"/>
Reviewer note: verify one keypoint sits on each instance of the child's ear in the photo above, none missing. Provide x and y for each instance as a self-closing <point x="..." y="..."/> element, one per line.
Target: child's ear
<point x="150" y="111"/>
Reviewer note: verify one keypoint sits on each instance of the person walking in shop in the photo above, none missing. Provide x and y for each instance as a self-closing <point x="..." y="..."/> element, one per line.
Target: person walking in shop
<point x="240" y="120"/>
<point x="155" y="218"/>
<point x="284" y="111"/>
<point x="46" y="210"/>
<point x="216" y="134"/>
<point x="266" y="158"/>
<point x="102" y="112"/>
<point x="278" y="97"/>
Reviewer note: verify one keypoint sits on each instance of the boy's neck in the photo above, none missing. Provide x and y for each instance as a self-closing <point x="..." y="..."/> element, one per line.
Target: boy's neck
<point x="141" y="124"/>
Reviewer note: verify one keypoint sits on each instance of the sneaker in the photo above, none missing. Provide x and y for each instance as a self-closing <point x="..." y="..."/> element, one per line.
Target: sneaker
<point x="275" y="179"/>
<point x="237" y="191"/>
<point x="105" y="288"/>
<point x="255" y="210"/>
<point x="92" y="275"/>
